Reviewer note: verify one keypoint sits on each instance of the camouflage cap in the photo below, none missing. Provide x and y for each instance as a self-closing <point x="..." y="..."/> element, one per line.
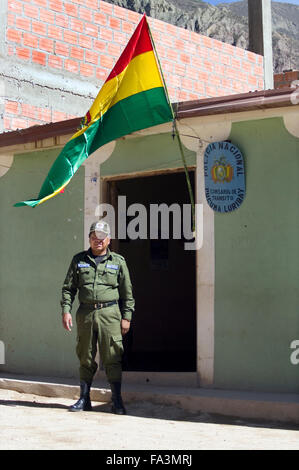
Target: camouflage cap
<point x="100" y="227"/>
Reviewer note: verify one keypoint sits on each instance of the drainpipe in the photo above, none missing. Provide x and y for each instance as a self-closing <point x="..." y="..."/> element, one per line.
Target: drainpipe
<point x="260" y="36"/>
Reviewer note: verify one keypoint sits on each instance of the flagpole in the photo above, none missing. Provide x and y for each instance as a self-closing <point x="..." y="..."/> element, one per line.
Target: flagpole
<point x="175" y="129"/>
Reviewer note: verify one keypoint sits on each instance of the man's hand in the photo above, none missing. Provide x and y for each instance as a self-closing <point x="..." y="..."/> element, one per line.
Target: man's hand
<point x="67" y="321"/>
<point x="125" y="326"/>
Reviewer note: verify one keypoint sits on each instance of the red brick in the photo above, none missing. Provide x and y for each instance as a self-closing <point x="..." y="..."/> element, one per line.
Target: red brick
<point x="187" y="84"/>
<point x="31" y="11"/>
<point x="192" y="72"/>
<point x="85" y="41"/>
<point x="197" y="62"/>
<point x="23" y="23"/>
<point x="247" y="66"/>
<point x="100" y="18"/>
<point x="167" y="66"/>
<point x="128" y="27"/>
<point x="18" y="123"/>
<point x="106" y="34"/>
<point x="71" y="9"/>
<point x="236" y="63"/>
<point x="157" y="25"/>
<point x="120" y="38"/>
<point x="114" y="50"/>
<point x="101" y="74"/>
<point x="238" y="87"/>
<point x="239" y="52"/>
<point x="260" y="84"/>
<point x="209" y="66"/>
<point x="251" y="56"/>
<point x="39" y="57"/>
<point x="219" y="69"/>
<point x="13" y="35"/>
<point x="226" y="82"/>
<point x="195" y="37"/>
<point x="46" y="44"/>
<point x="62" y="49"/>
<point x="183" y="96"/>
<point x="10" y="49"/>
<point x="30" y="40"/>
<point x="225" y="59"/>
<point x="100" y="45"/>
<point x="15" y="6"/>
<point x="180" y="70"/>
<point x="93" y="4"/>
<point x="40" y="3"/>
<point x="120" y="12"/>
<point x="252" y="81"/>
<point x="207" y="42"/>
<point x="77" y="53"/>
<point x="58" y="116"/>
<point x="56" y="5"/>
<point x="47" y="16"/>
<point x="27" y="110"/>
<point x="70" y="37"/>
<point x="114" y="23"/>
<point x="54" y="32"/>
<point x="199" y="87"/>
<point x="179" y="45"/>
<point x="134" y="16"/>
<point x="91" y="57"/>
<point x="228" y="49"/>
<point x="161" y="51"/>
<point x="11" y="107"/>
<point x="258" y="70"/>
<point x="185" y="58"/>
<point x="7" y="124"/>
<point x="77" y="25"/>
<point x="62" y="20"/>
<point x="11" y="19"/>
<point x="55" y="61"/>
<point x="92" y="30"/>
<point x="43" y="114"/>
<point x="106" y="61"/>
<point x="106" y="8"/>
<point x="203" y="76"/>
<point x="23" y="53"/>
<point x="85" y="14"/>
<point x="215" y="80"/>
<point x="211" y="90"/>
<point x="290" y="76"/>
<point x="217" y="45"/>
<point x="39" y="28"/>
<point x="71" y="66"/>
<point x="184" y="34"/>
<point x="86" y="70"/>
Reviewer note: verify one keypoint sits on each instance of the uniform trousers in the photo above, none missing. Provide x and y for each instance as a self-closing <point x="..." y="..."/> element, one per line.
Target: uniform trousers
<point x="102" y="328"/>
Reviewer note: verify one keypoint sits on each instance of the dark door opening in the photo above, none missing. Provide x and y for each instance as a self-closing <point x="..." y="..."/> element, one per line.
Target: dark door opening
<point x="163" y="331"/>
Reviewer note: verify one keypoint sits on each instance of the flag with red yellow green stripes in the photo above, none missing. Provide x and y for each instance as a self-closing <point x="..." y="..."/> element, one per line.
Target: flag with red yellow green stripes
<point x="132" y="98"/>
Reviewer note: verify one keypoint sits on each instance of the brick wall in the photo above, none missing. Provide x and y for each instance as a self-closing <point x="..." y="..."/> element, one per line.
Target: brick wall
<point x="285" y="79"/>
<point x="82" y="39"/>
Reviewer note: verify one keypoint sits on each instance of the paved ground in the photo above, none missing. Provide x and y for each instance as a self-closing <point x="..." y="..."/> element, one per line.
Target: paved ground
<point x="36" y="422"/>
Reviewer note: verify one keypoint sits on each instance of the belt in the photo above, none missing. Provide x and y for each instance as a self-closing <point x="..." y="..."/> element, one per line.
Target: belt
<point x="104" y="304"/>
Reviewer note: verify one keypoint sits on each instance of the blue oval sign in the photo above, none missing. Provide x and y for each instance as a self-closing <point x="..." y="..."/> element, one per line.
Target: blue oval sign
<point x="224" y="176"/>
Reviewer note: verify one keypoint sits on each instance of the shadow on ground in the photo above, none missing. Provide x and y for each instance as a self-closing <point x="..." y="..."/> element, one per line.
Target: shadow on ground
<point x="159" y="411"/>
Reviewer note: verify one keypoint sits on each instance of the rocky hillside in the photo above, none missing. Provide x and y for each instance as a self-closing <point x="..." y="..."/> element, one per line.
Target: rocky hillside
<point x="228" y="23"/>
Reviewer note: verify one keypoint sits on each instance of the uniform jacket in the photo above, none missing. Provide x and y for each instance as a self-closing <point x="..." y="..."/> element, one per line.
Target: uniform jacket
<point x="105" y="282"/>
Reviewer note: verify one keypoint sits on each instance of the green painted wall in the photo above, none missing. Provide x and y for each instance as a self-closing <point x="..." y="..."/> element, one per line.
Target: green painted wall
<point x="257" y="265"/>
<point x="154" y="152"/>
<point x="36" y="247"/>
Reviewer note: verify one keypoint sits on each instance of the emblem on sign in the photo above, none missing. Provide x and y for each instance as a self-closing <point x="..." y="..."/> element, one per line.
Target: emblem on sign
<point x="224" y="176"/>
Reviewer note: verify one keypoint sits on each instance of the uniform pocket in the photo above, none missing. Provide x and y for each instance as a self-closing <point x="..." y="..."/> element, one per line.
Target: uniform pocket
<point x="116" y="346"/>
<point x="109" y="278"/>
<point x="85" y="276"/>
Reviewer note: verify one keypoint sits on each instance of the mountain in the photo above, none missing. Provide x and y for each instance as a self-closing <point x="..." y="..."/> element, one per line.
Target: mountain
<point x="227" y="22"/>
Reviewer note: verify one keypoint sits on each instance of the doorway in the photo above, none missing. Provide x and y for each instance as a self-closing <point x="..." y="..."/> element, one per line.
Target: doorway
<point x="162" y="337"/>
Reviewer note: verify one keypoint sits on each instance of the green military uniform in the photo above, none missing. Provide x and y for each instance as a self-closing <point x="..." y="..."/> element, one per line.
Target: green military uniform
<point x="105" y="295"/>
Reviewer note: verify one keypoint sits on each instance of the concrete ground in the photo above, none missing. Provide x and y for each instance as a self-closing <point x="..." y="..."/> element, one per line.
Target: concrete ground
<point x="36" y="422"/>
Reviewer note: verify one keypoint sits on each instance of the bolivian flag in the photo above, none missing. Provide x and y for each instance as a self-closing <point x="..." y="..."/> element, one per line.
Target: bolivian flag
<point x="132" y="98"/>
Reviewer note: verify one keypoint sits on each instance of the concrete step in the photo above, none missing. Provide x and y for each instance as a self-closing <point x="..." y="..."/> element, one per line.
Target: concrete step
<point x="275" y="407"/>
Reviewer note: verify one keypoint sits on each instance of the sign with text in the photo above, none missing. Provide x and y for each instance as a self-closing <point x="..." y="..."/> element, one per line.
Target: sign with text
<point x="224" y="176"/>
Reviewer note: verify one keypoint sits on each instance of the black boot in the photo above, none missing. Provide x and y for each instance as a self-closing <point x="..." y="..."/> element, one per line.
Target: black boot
<point x="83" y="404"/>
<point x="117" y="403"/>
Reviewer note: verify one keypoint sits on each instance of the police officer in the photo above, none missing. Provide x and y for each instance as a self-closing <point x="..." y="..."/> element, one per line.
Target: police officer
<point x="102" y="280"/>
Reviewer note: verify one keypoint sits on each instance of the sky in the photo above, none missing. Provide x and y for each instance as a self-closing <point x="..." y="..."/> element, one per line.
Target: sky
<point x="215" y="2"/>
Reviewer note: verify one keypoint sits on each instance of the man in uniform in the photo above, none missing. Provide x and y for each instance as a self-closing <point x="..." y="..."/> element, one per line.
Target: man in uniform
<point x="102" y="280"/>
